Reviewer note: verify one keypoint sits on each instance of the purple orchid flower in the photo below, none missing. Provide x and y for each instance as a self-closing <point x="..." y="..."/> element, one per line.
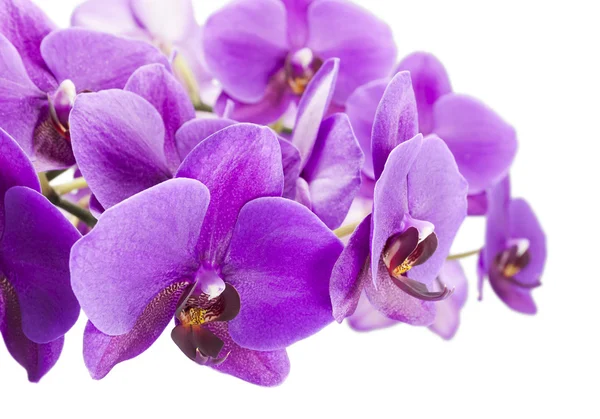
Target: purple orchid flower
<point x="447" y="318"/>
<point x="169" y="25"/>
<point x="152" y="130"/>
<point x="138" y="148"/>
<point x="159" y="88"/>
<point x="37" y="305"/>
<point x="322" y="162"/>
<point x="216" y="248"/>
<point x="42" y="70"/>
<point x="483" y="145"/>
<point x="514" y="255"/>
<point x="265" y="52"/>
<point x="325" y="181"/>
<point x="331" y="158"/>
<point x="419" y="204"/>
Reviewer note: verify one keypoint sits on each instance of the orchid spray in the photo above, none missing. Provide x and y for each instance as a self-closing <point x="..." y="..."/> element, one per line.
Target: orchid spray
<point x="322" y="182"/>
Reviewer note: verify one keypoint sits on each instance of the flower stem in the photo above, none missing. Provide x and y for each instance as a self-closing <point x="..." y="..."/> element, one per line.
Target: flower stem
<point x="280" y="128"/>
<point x="463" y="255"/>
<point x="73" y="209"/>
<point x="53" y="174"/>
<point x="346" y="230"/>
<point x="201" y="106"/>
<point x="65" y="188"/>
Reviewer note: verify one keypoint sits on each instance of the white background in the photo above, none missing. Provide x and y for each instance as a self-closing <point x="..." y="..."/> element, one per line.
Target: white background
<point x="536" y="63"/>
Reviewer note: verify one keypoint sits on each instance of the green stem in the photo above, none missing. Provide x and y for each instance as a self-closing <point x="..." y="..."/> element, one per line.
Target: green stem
<point x="53" y="174"/>
<point x="463" y="255"/>
<point x="73" y="209"/>
<point x="201" y="106"/>
<point x="346" y="230"/>
<point x="65" y="188"/>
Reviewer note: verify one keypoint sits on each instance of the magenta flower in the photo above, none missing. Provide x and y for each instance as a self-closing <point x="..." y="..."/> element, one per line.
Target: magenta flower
<point x="419" y="203"/>
<point x="43" y="70"/>
<point x="482" y="143"/>
<point x="514" y="255"/>
<point x="220" y="252"/>
<point x="265" y="52"/>
<point x="37" y="306"/>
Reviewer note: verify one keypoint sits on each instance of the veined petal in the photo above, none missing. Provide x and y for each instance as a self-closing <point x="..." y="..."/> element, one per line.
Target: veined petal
<point x="197" y="130"/>
<point x="102" y="352"/>
<point x="313" y="107"/>
<point x="245" y="43"/>
<point x="158" y="86"/>
<point x="430" y="81"/>
<point x="361" y="108"/>
<point x="297" y="22"/>
<point x="194" y="132"/>
<point x="483" y="145"/>
<point x="34" y="256"/>
<point x="395" y="121"/>
<point x="25" y="25"/>
<point x="333" y="170"/>
<point x="290" y="160"/>
<point x="302" y="194"/>
<point x="497" y="230"/>
<point x="69" y="52"/>
<point x="396" y="304"/>
<point x="437" y="194"/>
<point x="350" y="272"/>
<point x="280" y="262"/>
<point x="22" y="101"/>
<point x="276" y="100"/>
<point x="118" y="140"/>
<point x="15" y="170"/>
<point x="264" y="368"/>
<point x="391" y="198"/>
<point x="139" y="248"/>
<point x="237" y="164"/>
<point x="525" y="225"/>
<point x="517" y="298"/>
<point x="36" y="358"/>
<point x="363" y="43"/>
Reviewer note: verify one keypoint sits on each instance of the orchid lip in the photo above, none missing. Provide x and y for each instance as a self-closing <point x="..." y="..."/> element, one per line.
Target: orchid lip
<point x="419" y="290"/>
<point x="203" y="359"/>
<point x="408" y="249"/>
<point x="208" y="299"/>
<point x="512" y="261"/>
<point x="300" y="68"/>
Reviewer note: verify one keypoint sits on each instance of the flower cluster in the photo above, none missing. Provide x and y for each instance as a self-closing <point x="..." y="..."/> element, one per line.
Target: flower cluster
<point x="244" y="183"/>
